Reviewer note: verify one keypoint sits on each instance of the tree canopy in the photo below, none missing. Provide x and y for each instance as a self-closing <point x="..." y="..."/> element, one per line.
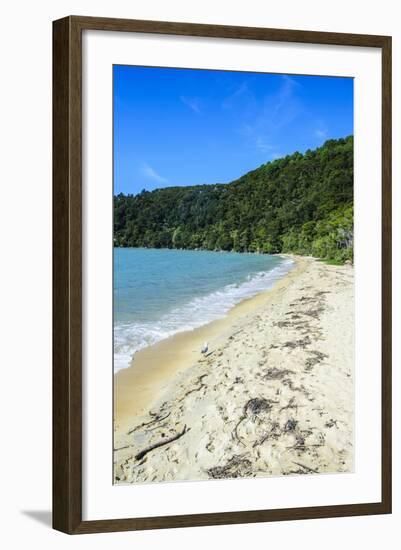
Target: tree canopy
<point x="302" y="203"/>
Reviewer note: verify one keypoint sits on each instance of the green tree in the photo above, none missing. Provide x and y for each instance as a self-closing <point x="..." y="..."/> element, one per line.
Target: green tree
<point x="302" y="203"/>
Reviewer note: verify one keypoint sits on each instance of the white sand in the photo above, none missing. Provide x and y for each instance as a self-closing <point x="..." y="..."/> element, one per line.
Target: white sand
<point x="274" y="395"/>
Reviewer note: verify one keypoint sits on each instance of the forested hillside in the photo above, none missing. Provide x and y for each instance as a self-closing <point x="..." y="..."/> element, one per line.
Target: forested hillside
<point x="300" y="203"/>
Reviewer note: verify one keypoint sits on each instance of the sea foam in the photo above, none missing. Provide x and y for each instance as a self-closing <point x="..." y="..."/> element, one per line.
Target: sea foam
<point x="131" y="337"/>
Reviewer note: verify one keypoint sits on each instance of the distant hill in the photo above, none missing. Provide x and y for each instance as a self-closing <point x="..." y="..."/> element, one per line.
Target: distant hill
<point x="302" y="203"/>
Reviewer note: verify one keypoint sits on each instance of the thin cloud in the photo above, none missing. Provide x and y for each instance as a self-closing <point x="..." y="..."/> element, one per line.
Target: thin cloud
<point x="192" y="102"/>
<point x="319" y="129"/>
<point x="263" y="145"/>
<point x="228" y="102"/>
<point x="151" y="174"/>
<point x="274" y="112"/>
<point x="286" y="94"/>
<point x="321" y="133"/>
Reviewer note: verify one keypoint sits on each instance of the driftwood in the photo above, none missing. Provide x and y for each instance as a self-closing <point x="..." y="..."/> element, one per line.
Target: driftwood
<point x="290" y="405"/>
<point x="234" y="433"/>
<point x="305" y="467"/>
<point x="144" y="452"/>
<point x="197" y="388"/>
<point x="304" y="447"/>
<point x="122" y="448"/>
<point x="158" y="418"/>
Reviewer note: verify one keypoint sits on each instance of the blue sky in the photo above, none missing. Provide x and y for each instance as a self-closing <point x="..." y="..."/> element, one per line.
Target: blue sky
<point x="187" y="127"/>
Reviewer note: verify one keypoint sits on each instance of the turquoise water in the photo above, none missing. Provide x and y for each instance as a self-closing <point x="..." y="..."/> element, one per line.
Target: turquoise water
<point x="158" y="293"/>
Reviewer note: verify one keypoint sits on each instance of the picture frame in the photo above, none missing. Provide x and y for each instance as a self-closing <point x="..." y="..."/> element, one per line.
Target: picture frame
<point x="68" y="295"/>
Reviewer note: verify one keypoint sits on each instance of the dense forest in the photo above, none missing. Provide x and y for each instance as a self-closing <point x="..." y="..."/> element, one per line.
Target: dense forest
<point x="302" y="203"/>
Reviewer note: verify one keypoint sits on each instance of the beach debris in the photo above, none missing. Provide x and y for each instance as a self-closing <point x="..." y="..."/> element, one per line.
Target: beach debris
<point x="147" y="450"/>
<point x="315" y="313"/>
<point x="301" y="343"/>
<point x="330" y="423"/>
<point x="317" y="358"/>
<point x="303" y="300"/>
<point x="289" y="383"/>
<point x="282" y="324"/>
<point x="235" y="430"/>
<point x="258" y="405"/>
<point x="200" y="386"/>
<point x="122" y="448"/>
<point x="307" y="468"/>
<point x="273" y="433"/>
<point x="253" y="407"/>
<point x="232" y="337"/>
<point x="277" y="374"/>
<point x="290" y="405"/>
<point x="237" y="466"/>
<point x="157" y="418"/>
<point x="290" y="425"/>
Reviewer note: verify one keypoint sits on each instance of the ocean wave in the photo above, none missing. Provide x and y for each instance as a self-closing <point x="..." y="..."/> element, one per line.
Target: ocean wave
<point x="130" y="338"/>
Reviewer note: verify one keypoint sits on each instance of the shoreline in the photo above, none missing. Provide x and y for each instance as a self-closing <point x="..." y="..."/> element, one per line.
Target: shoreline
<point x="273" y="395"/>
<point x="138" y="386"/>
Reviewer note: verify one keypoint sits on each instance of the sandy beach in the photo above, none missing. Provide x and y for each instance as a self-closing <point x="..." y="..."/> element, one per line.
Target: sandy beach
<point x="273" y="395"/>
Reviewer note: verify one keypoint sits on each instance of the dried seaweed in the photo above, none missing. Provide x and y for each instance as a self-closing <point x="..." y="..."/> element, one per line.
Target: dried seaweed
<point x="277" y="374"/>
<point x="317" y="358"/>
<point x="301" y="343"/>
<point x="237" y="466"/>
<point x="258" y="405"/>
<point x="290" y="425"/>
